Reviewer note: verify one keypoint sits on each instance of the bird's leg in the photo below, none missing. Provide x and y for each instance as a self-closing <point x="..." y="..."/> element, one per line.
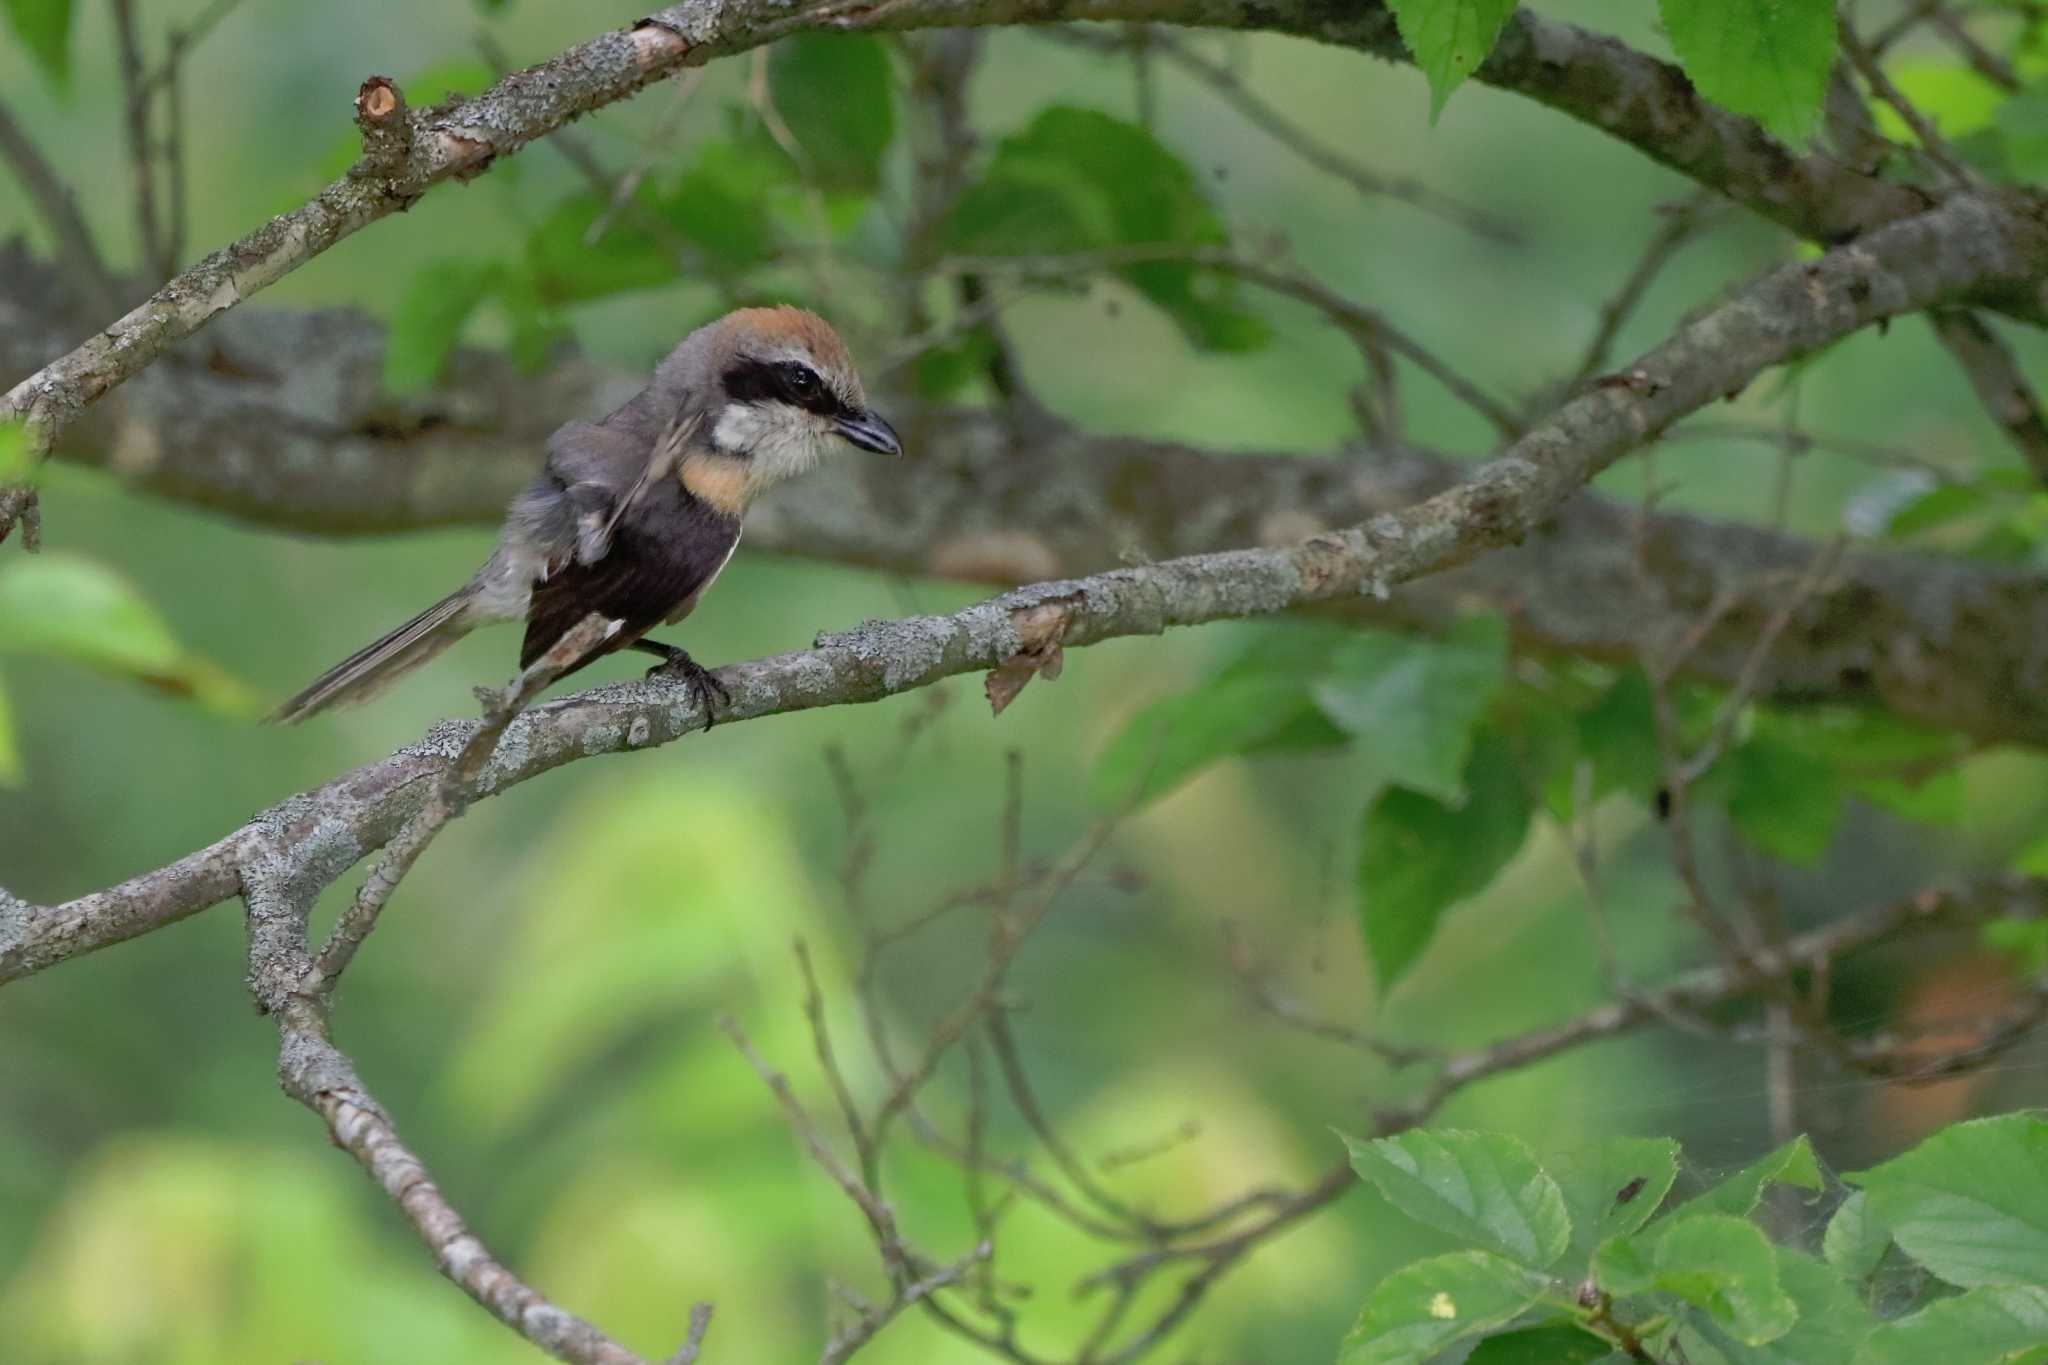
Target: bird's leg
<point x="678" y="663"/>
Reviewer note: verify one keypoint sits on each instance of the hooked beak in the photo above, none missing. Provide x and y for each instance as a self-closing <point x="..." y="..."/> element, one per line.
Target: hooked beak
<point x="869" y="431"/>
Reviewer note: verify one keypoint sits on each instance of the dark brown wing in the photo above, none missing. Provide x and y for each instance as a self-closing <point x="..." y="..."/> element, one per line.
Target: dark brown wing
<point x="663" y="551"/>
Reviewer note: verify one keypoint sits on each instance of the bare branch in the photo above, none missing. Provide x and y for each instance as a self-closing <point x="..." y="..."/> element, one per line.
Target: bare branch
<point x="1996" y="378"/>
<point x="452" y="795"/>
<point x="58" y="206"/>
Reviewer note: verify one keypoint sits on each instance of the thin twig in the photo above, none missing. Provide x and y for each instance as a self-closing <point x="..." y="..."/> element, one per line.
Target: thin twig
<point x="58" y="206"/>
<point x="700" y="1323"/>
<point x="1998" y="382"/>
<point x="141" y="147"/>
<point x="1265" y="116"/>
<point x="1681" y="221"/>
<point x="1352" y="318"/>
<point x="1932" y="144"/>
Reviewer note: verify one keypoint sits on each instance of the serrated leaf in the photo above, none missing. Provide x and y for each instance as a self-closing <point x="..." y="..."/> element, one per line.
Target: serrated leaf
<point x="1971" y="1202"/>
<point x="1832" y="1318"/>
<point x="44" y="30"/>
<point x="1413" y="704"/>
<point x="430" y="319"/>
<point x="1714" y="1261"/>
<point x="1984" y="1326"/>
<point x="1482" y="1188"/>
<point x="11" y="770"/>
<point x="1792" y="1164"/>
<point x="1422" y="1308"/>
<point x="1076" y="179"/>
<point x="1612" y="1188"/>
<point x="80" y="610"/>
<point x="1768" y="59"/>
<point x="833" y="91"/>
<point x="1449" y="39"/>
<point x="1419" y="856"/>
<point x="1787" y="802"/>
<point x="1551" y="1344"/>
<point x="1856" y="1239"/>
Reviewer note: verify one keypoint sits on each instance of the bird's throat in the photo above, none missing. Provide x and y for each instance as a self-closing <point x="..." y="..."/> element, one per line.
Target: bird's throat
<point x="722" y="482"/>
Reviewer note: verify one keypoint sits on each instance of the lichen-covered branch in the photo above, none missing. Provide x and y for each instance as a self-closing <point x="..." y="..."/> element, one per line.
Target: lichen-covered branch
<point x="280" y="417"/>
<point x="1962" y="249"/>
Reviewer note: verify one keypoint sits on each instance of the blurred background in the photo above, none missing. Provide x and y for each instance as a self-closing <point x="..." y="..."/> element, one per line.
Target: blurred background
<point x="537" y="1007"/>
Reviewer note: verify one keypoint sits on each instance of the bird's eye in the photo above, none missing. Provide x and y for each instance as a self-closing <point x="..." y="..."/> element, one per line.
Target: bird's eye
<point x="801" y="382"/>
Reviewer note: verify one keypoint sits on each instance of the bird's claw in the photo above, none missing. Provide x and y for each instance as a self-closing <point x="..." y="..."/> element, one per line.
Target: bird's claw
<point x="702" y="682"/>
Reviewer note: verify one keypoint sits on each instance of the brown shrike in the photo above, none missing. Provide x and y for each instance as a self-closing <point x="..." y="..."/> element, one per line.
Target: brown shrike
<point x="634" y="516"/>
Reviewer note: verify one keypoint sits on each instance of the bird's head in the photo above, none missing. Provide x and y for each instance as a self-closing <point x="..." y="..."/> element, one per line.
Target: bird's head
<point x="777" y="392"/>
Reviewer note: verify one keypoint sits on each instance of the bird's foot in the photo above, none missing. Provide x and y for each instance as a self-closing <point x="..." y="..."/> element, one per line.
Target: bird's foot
<point x="703" y="684"/>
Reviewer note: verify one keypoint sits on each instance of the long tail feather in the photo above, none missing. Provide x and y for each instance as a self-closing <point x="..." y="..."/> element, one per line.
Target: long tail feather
<point x="377" y="665"/>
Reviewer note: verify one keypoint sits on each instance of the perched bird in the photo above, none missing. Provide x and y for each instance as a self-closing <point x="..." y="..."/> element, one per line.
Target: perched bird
<point x="635" y="516"/>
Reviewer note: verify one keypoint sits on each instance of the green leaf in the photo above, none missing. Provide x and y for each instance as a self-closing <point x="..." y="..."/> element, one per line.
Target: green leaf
<point x="80" y="610"/>
<point x="1787" y="802"/>
<point x="1856" y="1239"/>
<point x="1259" y="700"/>
<point x="1413" y="704"/>
<point x="2023" y="126"/>
<point x="1449" y="38"/>
<point x="1791" y="1164"/>
<point x="11" y="769"/>
<point x="1612" y="1188"/>
<point x="1074" y="180"/>
<point x="1419" y="856"/>
<point x="1941" y="506"/>
<point x="1768" y="59"/>
<point x="1832" y="1317"/>
<point x="1481" y="1188"/>
<point x="1618" y="736"/>
<point x="1559" y="1343"/>
<point x="44" y="29"/>
<point x="1422" y="1308"/>
<point x="1984" y="1326"/>
<point x="430" y="319"/>
<point x="2024" y="941"/>
<point x="942" y="371"/>
<point x="1971" y="1202"/>
<point x="722" y="203"/>
<point x="563" y="269"/>
<point x="833" y="90"/>
<point x="1715" y="1261"/>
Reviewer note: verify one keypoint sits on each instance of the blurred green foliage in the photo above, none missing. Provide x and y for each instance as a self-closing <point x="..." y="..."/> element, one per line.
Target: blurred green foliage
<point x="1389" y="822"/>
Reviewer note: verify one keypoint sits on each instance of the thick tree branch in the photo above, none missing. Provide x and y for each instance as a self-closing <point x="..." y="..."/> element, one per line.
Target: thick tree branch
<point x="1923" y="262"/>
<point x="281" y="417"/>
